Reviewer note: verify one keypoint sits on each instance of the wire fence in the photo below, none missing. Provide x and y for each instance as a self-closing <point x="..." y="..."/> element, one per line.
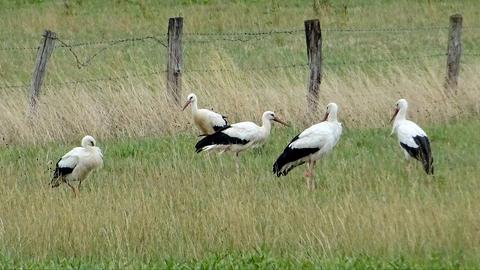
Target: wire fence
<point x="107" y="46"/>
<point x="128" y="76"/>
<point x="101" y="46"/>
<point x="228" y="36"/>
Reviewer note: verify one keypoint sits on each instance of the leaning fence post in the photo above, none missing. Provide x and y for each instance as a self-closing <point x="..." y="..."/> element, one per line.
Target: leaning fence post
<point x="43" y="54"/>
<point x="454" y="51"/>
<point x="313" y="36"/>
<point x="174" y="62"/>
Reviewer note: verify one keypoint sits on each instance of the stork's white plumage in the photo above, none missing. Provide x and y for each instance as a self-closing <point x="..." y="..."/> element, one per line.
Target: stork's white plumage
<point x="77" y="164"/>
<point x="240" y="136"/>
<point x="413" y="140"/>
<point x="310" y="145"/>
<point x="207" y="121"/>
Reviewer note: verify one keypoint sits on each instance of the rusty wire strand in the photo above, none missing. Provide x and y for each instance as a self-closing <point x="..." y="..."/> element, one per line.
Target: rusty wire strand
<point x="89" y="59"/>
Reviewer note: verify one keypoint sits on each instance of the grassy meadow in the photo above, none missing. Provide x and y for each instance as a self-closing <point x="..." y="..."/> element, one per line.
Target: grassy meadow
<point x="156" y="199"/>
<point x="157" y="204"/>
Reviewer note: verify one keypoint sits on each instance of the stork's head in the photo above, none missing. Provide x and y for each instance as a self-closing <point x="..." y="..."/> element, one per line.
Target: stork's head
<point x="88" y="141"/>
<point x="270" y="116"/>
<point x="400" y="105"/>
<point x="190" y="99"/>
<point x="331" y="112"/>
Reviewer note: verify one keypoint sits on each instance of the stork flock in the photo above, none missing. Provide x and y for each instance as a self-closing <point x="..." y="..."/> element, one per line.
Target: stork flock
<point x="310" y="145"/>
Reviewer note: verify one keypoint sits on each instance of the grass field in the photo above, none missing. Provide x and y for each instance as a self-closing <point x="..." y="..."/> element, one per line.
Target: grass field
<point x="156" y="198"/>
<point x="157" y="204"/>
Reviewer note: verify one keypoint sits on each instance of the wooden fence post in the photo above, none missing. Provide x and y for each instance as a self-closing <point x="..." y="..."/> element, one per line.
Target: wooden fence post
<point x="174" y="62"/>
<point x="43" y="54"/>
<point x="313" y="36"/>
<point x="454" y="52"/>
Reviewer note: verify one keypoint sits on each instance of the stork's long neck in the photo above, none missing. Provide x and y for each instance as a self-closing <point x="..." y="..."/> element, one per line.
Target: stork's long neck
<point x="194" y="107"/>
<point x="401" y="115"/>
<point x="332" y="116"/>
<point x="266" y="126"/>
<point x="87" y="147"/>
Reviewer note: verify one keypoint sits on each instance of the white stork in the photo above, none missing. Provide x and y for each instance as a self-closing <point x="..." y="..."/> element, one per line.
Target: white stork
<point x="239" y="137"/>
<point x="411" y="137"/>
<point x="207" y="121"/>
<point x="77" y="164"/>
<point x="310" y="145"/>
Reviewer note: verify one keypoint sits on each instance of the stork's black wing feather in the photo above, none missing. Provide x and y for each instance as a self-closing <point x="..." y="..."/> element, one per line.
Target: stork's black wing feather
<point x="218" y="138"/>
<point x="59" y="173"/>
<point x="422" y="153"/>
<point x="291" y="155"/>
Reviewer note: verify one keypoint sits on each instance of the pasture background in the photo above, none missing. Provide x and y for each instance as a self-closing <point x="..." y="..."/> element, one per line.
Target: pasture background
<point x="159" y="204"/>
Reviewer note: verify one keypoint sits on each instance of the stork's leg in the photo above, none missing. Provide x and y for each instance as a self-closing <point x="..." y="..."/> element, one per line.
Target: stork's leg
<point x="237" y="162"/>
<point x="308" y="175"/>
<point x="408" y="162"/>
<point x="312" y="174"/>
<point x="79" y="184"/>
<point x="73" y="188"/>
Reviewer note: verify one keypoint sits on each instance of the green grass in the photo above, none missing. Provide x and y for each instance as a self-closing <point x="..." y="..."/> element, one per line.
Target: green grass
<point x="84" y="21"/>
<point x="158" y="204"/>
<point x="257" y="259"/>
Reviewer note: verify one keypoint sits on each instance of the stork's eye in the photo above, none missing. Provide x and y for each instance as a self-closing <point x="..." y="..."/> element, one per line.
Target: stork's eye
<point x="92" y="144"/>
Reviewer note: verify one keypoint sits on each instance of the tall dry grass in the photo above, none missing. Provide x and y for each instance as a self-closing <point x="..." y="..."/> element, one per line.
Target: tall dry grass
<point x="137" y="107"/>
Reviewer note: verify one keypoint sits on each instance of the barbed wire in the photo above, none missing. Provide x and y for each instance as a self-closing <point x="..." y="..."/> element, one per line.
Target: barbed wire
<point x="19" y="48"/>
<point x="87" y="81"/>
<point x="236" y="39"/>
<point x="260" y="33"/>
<point x="246" y="33"/>
<point x="286" y="66"/>
<point x="113" y="42"/>
<point x="89" y="59"/>
<point x="243" y="69"/>
<point x="326" y="29"/>
<point x="109" y="78"/>
<point x="8" y="86"/>
<point x="387" y="60"/>
<point x="134" y="75"/>
<point x="205" y="37"/>
<point x="388" y="30"/>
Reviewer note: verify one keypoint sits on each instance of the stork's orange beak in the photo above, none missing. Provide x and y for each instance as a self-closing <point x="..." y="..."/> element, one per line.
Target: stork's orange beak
<point x="186" y="105"/>
<point x="280" y="121"/>
<point x="394" y="114"/>
<point x="325" y="117"/>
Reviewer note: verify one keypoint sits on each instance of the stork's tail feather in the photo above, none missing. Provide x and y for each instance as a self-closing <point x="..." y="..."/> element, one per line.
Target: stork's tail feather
<point x="425" y="154"/>
<point x="279" y="165"/>
<point x="205" y="141"/>
<point x="56" y="179"/>
<point x="55" y="182"/>
<point x="291" y="158"/>
<point x="428" y="166"/>
<point x="57" y="174"/>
